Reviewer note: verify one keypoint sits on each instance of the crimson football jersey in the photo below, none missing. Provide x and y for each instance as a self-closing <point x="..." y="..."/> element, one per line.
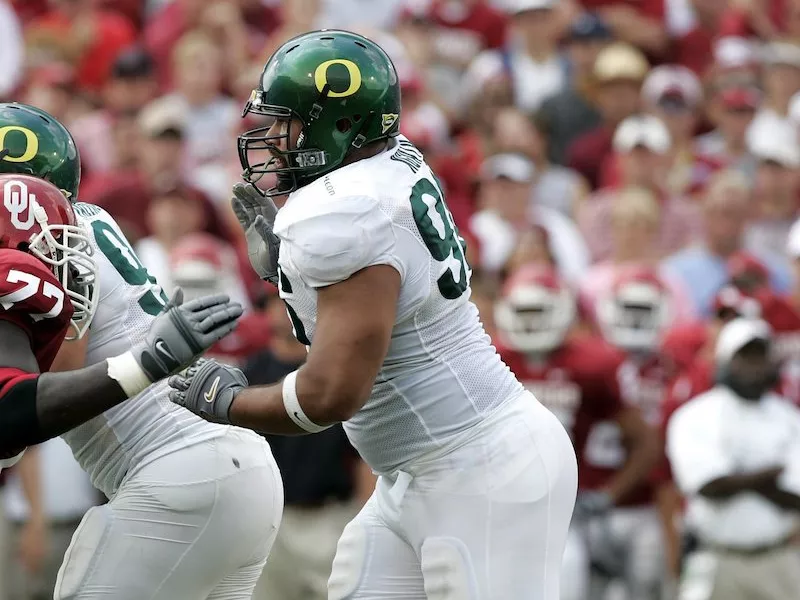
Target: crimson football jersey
<point x="33" y="299"/>
<point x="579" y="384"/>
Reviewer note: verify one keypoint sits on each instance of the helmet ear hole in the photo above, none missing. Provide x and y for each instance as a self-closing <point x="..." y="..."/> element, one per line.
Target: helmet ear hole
<point x="343" y="125"/>
<point x="356" y="118"/>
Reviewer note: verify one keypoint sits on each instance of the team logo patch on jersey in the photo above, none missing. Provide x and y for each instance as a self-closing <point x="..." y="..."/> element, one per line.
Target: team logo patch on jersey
<point x="387" y="121"/>
<point x="20" y="204"/>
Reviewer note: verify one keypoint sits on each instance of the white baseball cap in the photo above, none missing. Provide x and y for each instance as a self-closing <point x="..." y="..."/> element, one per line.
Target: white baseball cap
<point x="514" y="7"/>
<point x="674" y="80"/>
<point x="642" y="130"/>
<point x="770" y="139"/>
<point x="515" y="167"/>
<point x="736" y="334"/>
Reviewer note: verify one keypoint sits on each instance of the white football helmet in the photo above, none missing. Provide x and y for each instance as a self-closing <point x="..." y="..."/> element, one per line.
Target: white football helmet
<point x="536" y="310"/>
<point x="636" y="312"/>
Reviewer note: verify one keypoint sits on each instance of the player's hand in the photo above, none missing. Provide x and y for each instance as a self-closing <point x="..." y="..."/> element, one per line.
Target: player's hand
<point x="207" y="388"/>
<point x="256" y="214"/>
<point x="182" y="332"/>
<point x="592" y="504"/>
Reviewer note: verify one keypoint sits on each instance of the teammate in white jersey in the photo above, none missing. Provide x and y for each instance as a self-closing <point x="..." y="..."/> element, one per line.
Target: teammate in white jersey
<point x="477" y="480"/>
<point x="194" y="506"/>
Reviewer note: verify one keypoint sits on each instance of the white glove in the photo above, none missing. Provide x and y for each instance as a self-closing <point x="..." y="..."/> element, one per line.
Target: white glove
<point x="256" y="214"/>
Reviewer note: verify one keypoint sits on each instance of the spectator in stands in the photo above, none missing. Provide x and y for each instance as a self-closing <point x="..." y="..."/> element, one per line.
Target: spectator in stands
<point x="642" y="146"/>
<point x="673" y="94"/>
<point x="52" y="88"/>
<point x="640" y="24"/>
<point x="793" y="252"/>
<point x="325" y="482"/>
<point x="210" y="118"/>
<point x="178" y="17"/>
<point x="781" y="81"/>
<point x="530" y="59"/>
<point x="130" y="87"/>
<point x="777" y="150"/>
<point x="731" y="109"/>
<point x="171" y="215"/>
<point x="618" y="73"/>
<point x="703" y="266"/>
<point x="506" y="210"/>
<point x="572" y="111"/>
<point x="635" y="227"/>
<point x="555" y="186"/>
<point x="693" y="42"/>
<point x="83" y="35"/>
<point x="735" y="454"/>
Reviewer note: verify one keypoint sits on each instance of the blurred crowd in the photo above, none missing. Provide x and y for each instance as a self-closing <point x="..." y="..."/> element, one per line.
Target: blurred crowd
<point x="634" y="153"/>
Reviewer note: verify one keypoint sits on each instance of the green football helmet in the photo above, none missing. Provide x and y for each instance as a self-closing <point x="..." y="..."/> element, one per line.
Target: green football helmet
<point x="344" y="90"/>
<point x="32" y="142"/>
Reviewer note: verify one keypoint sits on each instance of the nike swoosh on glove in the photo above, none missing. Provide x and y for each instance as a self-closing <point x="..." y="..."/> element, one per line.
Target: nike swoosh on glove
<point x="256" y="214"/>
<point x="208" y="388"/>
<point x="182" y="332"/>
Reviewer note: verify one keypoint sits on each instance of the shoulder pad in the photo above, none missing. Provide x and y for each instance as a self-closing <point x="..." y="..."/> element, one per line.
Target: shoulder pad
<point x="326" y="240"/>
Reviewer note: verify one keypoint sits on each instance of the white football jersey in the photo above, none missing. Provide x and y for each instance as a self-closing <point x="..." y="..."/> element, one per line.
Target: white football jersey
<point x="148" y="426"/>
<point x="441" y="375"/>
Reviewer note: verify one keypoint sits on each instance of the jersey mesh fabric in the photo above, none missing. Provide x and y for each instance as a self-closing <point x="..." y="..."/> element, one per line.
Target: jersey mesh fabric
<point x="140" y="430"/>
<point x="441" y="374"/>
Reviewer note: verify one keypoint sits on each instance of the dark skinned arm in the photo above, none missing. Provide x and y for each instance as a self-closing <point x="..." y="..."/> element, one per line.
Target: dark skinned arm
<point x="642" y="446"/>
<point x="722" y="488"/>
<point x="40" y="408"/>
<point x="354" y="325"/>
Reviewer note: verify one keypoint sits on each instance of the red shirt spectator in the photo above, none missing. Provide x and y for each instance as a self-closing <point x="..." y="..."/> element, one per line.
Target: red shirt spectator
<point x="97" y="36"/>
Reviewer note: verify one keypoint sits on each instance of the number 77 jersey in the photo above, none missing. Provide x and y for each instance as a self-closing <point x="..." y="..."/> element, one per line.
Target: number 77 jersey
<point x="441" y="375"/>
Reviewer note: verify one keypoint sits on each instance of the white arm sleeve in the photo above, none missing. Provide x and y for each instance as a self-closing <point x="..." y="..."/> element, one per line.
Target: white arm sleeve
<point x="330" y="242"/>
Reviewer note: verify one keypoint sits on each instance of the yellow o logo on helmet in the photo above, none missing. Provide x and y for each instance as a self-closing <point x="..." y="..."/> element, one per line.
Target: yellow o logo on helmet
<point x="31" y="143"/>
<point x="321" y="77"/>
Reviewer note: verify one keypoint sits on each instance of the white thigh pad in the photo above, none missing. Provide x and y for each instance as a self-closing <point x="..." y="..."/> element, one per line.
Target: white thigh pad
<point x="348" y="564"/>
<point x="447" y="570"/>
<point x="85" y="545"/>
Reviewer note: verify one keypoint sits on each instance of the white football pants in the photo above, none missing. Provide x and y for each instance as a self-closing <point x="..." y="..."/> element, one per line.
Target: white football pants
<point x="485" y="520"/>
<point x="195" y="524"/>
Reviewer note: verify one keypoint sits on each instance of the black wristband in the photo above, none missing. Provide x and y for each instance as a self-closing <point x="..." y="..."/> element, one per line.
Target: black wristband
<point x="19" y="422"/>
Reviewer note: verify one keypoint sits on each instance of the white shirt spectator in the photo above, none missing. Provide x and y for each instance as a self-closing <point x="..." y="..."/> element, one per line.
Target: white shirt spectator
<point x="719" y="434"/>
<point x="533" y="82"/>
<point x="12" y="49"/>
<point x="497" y="239"/>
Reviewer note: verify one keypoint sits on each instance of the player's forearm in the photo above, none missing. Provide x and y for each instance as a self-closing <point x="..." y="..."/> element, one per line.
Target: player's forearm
<point x="780" y="497"/>
<point x="642" y="457"/>
<point x="66" y="400"/>
<point x="301" y="398"/>
<point x="261" y="408"/>
<point x="730" y="485"/>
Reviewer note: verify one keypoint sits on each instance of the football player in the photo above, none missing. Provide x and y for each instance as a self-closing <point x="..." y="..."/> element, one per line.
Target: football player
<point x="476" y="479"/>
<point x="633" y="318"/>
<point x="581" y="379"/>
<point x="47" y="290"/>
<point x="194" y="506"/>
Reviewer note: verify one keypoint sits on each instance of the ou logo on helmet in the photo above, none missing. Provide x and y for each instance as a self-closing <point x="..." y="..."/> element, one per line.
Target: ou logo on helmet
<point x="19" y="202"/>
<point x="353" y="72"/>
<point x="31" y="144"/>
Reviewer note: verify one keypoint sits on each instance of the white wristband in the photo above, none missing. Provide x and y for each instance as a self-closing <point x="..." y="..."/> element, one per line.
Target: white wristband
<point x="293" y="408"/>
<point x="126" y="371"/>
